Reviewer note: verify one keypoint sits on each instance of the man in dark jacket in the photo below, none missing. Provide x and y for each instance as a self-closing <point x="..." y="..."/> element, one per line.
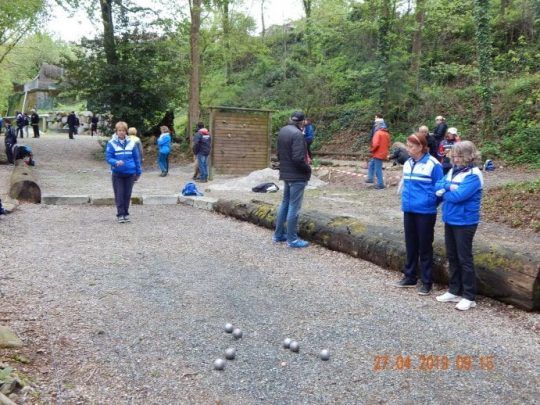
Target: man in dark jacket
<point x="73" y="124"/>
<point x="440" y="129"/>
<point x="9" y="140"/>
<point x="202" y="145"/>
<point x="295" y="173"/>
<point x="34" y="121"/>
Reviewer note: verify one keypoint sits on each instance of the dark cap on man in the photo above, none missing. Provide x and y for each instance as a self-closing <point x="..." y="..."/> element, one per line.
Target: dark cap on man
<point x="298" y="116"/>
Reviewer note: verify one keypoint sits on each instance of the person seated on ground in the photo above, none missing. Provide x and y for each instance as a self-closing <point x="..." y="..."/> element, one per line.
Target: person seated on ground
<point x="24" y="152"/>
<point x="398" y="154"/>
<point x="431" y="141"/>
<point x="445" y="149"/>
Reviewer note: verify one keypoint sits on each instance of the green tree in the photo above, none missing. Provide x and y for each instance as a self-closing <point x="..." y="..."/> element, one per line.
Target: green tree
<point x="18" y="18"/>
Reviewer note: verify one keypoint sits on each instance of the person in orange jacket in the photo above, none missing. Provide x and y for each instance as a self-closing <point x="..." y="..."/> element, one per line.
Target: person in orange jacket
<point x="380" y="145"/>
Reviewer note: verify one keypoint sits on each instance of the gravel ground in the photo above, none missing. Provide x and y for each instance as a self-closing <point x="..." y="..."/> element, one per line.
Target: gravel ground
<point x="137" y="317"/>
<point x="133" y="313"/>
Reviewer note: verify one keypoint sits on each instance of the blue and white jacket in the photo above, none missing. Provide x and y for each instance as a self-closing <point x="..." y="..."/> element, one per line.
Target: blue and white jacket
<point x="164" y="143"/>
<point x="463" y="196"/>
<point x="126" y="151"/>
<point x="419" y="179"/>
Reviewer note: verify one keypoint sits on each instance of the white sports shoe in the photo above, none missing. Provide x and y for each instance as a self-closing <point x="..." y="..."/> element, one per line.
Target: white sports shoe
<point x="465" y="304"/>
<point x="448" y="297"/>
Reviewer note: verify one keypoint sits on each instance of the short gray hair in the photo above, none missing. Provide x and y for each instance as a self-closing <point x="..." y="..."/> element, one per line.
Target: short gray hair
<point x="467" y="151"/>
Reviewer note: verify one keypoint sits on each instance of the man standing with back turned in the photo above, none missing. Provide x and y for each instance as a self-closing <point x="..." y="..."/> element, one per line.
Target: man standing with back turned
<point x="295" y="173"/>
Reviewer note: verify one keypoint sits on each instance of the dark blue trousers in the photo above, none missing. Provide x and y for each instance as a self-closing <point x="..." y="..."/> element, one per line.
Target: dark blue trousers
<point x="419" y="230"/>
<point x="458" y="241"/>
<point x="122" y="186"/>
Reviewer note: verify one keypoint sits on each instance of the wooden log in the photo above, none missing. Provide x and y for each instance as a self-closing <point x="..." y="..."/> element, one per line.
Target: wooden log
<point x="23" y="183"/>
<point x="501" y="273"/>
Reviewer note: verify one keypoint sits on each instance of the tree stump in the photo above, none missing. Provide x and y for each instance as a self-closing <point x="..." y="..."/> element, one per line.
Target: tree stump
<point x="23" y="183"/>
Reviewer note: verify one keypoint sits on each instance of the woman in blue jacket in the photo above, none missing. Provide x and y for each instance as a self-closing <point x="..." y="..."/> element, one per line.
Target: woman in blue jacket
<point x="164" y="145"/>
<point x="123" y="156"/>
<point x="461" y="191"/>
<point x="419" y="205"/>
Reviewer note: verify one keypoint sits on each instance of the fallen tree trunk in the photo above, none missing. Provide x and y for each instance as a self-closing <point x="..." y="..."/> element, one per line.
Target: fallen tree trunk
<point x="501" y="273"/>
<point x="23" y="183"/>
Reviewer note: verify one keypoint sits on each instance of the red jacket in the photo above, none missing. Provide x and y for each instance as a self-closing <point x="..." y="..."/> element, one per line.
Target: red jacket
<point x="380" y="144"/>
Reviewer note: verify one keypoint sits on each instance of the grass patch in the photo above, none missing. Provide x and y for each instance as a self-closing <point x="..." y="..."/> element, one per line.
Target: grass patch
<point x="515" y="204"/>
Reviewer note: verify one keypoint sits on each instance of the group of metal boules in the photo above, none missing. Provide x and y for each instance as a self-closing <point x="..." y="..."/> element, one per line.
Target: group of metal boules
<point x="294" y="346"/>
<point x="230" y="353"/>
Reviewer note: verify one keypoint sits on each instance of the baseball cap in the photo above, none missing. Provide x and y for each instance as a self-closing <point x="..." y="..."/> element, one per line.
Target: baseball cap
<point x="452" y="131"/>
<point x="298" y="116"/>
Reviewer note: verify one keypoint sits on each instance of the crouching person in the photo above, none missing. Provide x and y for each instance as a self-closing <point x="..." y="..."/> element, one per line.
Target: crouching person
<point x="123" y="156"/>
<point x="461" y="191"/>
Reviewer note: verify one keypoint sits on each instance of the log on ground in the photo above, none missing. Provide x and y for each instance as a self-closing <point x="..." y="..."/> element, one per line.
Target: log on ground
<point x="23" y="183"/>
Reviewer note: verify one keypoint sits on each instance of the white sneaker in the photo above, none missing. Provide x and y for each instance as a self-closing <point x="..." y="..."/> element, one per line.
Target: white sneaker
<point x="465" y="304"/>
<point x="448" y="297"/>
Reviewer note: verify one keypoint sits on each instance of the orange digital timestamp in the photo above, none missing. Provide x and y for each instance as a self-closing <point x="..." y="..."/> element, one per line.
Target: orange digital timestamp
<point x="431" y="362"/>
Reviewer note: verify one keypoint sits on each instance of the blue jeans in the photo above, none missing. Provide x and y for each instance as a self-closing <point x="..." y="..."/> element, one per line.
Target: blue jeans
<point x="293" y="194"/>
<point x="163" y="161"/>
<point x="375" y="167"/>
<point x="203" y="166"/>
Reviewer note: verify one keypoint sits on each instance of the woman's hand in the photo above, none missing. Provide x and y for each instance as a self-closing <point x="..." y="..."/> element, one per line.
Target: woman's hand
<point x="119" y="163"/>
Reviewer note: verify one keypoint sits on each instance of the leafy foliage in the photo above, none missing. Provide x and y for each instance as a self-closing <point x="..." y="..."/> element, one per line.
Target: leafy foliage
<point x="147" y="81"/>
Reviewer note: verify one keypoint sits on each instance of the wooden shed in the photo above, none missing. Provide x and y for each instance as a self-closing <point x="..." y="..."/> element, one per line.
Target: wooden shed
<point x="241" y="139"/>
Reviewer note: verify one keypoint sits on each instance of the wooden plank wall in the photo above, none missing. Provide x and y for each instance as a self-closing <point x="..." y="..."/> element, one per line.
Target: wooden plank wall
<point x="240" y="141"/>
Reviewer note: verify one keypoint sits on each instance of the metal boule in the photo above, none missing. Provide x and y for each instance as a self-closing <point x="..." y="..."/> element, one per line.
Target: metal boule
<point x="294" y="346"/>
<point x="287" y="343"/>
<point x="230" y="353"/>
<point x="219" y="364"/>
<point x="325" y="355"/>
<point x="228" y="328"/>
<point x="237" y="333"/>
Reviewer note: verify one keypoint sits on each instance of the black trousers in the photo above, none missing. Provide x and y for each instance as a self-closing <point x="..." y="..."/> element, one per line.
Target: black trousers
<point x="72" y="131"/>
<point x="458" y="241"/>
<point x="419" y="230"/>
<point x="122" y="186"/>
<point x="36" y="130"/>
<point x="20" y="131"/>
<point x="9" y="153"/>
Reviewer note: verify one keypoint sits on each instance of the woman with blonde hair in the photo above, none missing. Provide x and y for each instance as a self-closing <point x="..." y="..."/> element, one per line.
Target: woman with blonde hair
<point x="461" y="191"/>
<point x="123" y="156"/>
<point x="132" y="133"/>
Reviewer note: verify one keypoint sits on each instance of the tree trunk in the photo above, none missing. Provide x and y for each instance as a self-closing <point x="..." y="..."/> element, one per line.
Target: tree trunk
<point x="383" y="51"/>
<point x="226" y="39"/>
<point x="307" y="9"/>
<point x="195" y="79"/>
<point x="417" y="42"/>
<point x="109" y="43"/>
<point x="485" y="62"/>
<point x="262" y="19"/>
